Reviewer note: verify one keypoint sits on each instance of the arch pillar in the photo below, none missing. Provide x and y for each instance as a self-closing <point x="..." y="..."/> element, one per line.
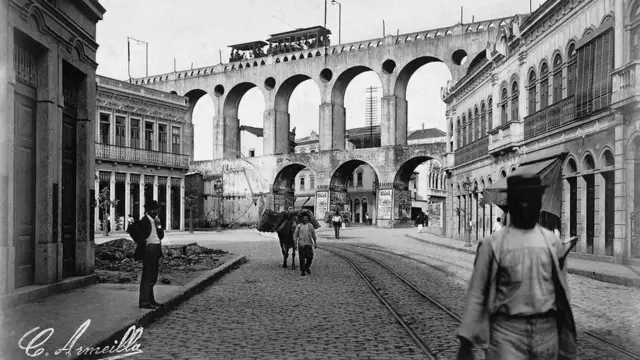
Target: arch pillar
<point x="276" y="132"/>
<point x="393" y="122"/>
<point x="332" y="126"/>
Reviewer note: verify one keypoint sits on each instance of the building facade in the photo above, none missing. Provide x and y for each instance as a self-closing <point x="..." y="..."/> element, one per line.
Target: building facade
<point x="47" y="89"/>
<point x="144" y="143"/>
<point x="554" y="93"/>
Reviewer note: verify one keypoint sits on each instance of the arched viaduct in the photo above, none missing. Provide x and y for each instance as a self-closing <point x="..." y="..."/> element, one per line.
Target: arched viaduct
<point x="393" y="58"/>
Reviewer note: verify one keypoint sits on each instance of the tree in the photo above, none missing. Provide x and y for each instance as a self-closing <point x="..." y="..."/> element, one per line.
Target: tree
<point x="105" y="202"/>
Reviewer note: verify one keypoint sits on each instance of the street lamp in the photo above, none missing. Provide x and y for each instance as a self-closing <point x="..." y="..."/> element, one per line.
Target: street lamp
<point x="334" y="2"/>
<point x="467" y="188"/>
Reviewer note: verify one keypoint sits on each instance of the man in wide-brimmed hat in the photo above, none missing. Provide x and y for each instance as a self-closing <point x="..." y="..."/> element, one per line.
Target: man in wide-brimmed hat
<point x="518" y="300"/>
<point x="149" y="250"/>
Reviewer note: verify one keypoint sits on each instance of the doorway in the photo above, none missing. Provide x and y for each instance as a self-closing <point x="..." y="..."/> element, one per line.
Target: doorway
<point x="590" y="202"/>
<point x="608" y="212"/>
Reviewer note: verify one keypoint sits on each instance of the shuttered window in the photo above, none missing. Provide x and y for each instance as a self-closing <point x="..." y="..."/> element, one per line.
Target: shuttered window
<point x="557" y="79"/>
<point x="544" y="86"/>
<point x="483" y="121"/>
<point x="595" y="63"/>
<point x="532" y="92"/>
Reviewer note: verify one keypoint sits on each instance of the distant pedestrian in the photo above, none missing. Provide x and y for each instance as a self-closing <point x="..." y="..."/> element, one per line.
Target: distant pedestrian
<point x="366" y="218"/>
<point x="305" y="236"/>
<point x="336" y="221"/>
<point x="497" y="226"/>
<point x="108" y="224"/>
<point x="148" y="233"/>
<point x="518" y="302"/>
<point x="420" y="221"/>
<point x="426" y="219"/>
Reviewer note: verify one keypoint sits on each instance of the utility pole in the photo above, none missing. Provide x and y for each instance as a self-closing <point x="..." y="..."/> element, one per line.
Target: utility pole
<point x="371" y="112"/>
<point x="325" y="13"/>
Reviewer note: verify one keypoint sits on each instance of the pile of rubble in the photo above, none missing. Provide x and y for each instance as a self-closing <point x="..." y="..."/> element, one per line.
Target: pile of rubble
<point x="115" y="260"/>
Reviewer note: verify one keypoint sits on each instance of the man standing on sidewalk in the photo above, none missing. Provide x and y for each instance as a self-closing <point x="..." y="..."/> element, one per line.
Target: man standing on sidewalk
<point x="148" y="235"/>
<point x="518" y="301"/>
<point x="420" y="221"/>
<point x="305" y="236"/>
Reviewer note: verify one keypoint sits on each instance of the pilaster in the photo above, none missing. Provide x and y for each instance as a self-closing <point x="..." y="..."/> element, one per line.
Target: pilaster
<point x="581" y="246"/>
<point x="127" y="199"/>
<point x="621" y="237"/>
<point x="112" y="195"/>
<point x="231" y="138"/>
<point x="393" y="124"/>
<point x="182" y="203"/>
<point x="167" y="224"/>
<point x="141" y="187"/>
<point x="619" y="38"/>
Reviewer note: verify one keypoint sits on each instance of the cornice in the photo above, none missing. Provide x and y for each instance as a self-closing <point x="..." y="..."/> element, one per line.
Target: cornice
<point x="122" y="103"/>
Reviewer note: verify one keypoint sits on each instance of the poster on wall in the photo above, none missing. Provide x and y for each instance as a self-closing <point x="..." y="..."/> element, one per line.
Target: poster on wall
<point x="385" y="198"/>
<point x="402" y="204"/>
<point x="435" y="214"/>
<point x="322" y="199"/>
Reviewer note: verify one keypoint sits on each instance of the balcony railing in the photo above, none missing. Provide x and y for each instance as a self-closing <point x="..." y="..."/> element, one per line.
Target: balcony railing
<point x="141" y="156"/>
<point x="475" y="150"/>
<point x="549" y="118"/>
<point x="624" y="82"/>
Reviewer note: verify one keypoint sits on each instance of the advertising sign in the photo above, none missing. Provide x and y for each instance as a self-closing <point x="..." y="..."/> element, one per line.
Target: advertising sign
<point x="322" y="204"/>
<point x="385" y="198"/>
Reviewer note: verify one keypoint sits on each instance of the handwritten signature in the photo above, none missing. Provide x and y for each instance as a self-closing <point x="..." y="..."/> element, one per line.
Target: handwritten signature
<point x="126" y="347"/>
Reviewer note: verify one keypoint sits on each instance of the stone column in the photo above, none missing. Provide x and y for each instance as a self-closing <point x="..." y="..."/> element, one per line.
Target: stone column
<point x="141" y="190"/>
<point x="332" y="126"/>
<point x="231" y="138"/>
<point x="276" y="132"/>
<point x="621" y="238"/>
<point x="182" y="203"/>
<point x="581" y="246"/>
<point x="393" y="124"/>
<point x="167" y="225"/>
<point x="112" y="195"/>
<point x="599" y="216"/>
<point x="127" y="198"/>
<point x="566" y="207"/>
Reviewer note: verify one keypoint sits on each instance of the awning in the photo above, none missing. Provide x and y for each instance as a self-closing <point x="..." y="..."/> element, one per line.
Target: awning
<point x="550" y="171"/>
<point x="304" y="201"/>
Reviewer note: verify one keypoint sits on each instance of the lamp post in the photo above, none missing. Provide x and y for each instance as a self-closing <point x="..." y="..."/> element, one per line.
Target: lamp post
<point x="467" y="189"/>
<point x="334" y="2"/>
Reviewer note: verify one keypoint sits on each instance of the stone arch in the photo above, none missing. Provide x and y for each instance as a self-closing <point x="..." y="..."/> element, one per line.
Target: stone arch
<point x="284" y="180"/>
<point x="343" y="80"/>
<point x="557" y="59"/>
<point x="35" y="11"/>
<point x="309" y="55"/>
<point x="503" y="173"/>
<point x="532" y="77"/>
<point x="477" y="60"/>
<point x="570" y="165"/>
<point x="606" y="157"/>
<point x="587" y="31"/>
<point x="607" y="17"/>
<point x="404" y="172"/>
<point x="407" y="71"/>
<point x="632" y="10"/>
<point x="544" y="67"/>
<point x="342" y="172"/>
<point x="232" y="100"/>
<point x="293" y="57"/>
<point x="286" y="89"/>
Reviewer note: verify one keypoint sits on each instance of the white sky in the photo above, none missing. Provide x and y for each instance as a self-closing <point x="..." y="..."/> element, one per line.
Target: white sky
<point x="193" y="31"/>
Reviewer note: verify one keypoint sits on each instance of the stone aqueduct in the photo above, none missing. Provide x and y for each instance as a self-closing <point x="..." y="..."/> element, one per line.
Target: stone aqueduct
<point x="393" y="58"/>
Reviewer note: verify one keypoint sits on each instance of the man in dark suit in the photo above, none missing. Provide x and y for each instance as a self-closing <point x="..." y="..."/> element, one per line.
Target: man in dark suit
<point x="149" y="250"/>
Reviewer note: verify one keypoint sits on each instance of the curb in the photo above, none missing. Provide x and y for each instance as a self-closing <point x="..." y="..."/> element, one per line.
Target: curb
<point x="191" y="288"/>
<point x="611" y="279"/>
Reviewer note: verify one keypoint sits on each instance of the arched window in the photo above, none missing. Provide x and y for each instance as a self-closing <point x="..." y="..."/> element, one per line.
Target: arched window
<point x="301" y="182"/>
<point x="464" y="130"/>
<point x="532" y="92"/>
<point x="483" y="119"/>
<point x="471" y="127"/>
<point x="458" y="135"/>
<point x="515" y="94"/>
<point x="557" y="78"/>
<point x="544" y="86"/>
<point x="490" y="114"/>
<point x="504" y="102"/>
<point x="635" y="33"/>
<point x="476" y="120"/>
<point x="572" y="72"/>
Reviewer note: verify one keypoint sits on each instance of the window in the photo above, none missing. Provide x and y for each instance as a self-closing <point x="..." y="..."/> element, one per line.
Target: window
<point x="544" y="86"/>
<point x="312" y="182"/>
<point x="135" y="134"/>
<point x="105" y="124"/>
<point x="595" y="63"/>
<point x="515" y="94"/>
<point x="483" y="120"/>
<point x="162" y="138"/>
<point x="476" y="120"/>
<point x="471" y="127"/>
<point x="572" y="70"/>
<point x="557" y="78"/>
<point x="464" y="130"/>
<point x="121" y="131"/>
<point x="503" y="107"/>
<point x="359" y="179"/>
<point x="532" y="92"/>
<point x="252" y="153"/>
<point x="458" y="136"/>
<point x="175" y="140"/>
<point x="490" y="114"/>
<point x="301" y="182"/>
<point x="148" y="135"/>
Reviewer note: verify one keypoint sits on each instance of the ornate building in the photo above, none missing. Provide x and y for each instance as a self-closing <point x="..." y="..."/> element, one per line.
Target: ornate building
<point x="47" y="87"/>
<point x="143" y="146"/>
<point x="554" y="93"/>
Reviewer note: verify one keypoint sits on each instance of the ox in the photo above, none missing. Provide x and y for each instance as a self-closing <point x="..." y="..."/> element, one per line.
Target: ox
<point x="285" y="235"/>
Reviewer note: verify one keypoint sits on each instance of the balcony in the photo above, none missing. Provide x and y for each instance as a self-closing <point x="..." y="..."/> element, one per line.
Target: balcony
<point x="624" y="84"/>
<point x="475" y="150"/>
<point x="549" y="118"/>
<point x="141" y="156"/>
<point x="505" y="136"/>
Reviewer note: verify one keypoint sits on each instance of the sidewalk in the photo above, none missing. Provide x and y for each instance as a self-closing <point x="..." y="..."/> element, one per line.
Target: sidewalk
<point x="110" y="308"/>
<point x="606" y="272"/>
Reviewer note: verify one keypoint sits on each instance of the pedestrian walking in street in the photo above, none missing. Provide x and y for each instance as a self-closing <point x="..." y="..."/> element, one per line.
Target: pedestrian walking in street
<point x="305" y="236"/>
<point x="420" y="221"/>
<point x="336" y="221"/>
<point x="366" y="219"/>
<point x="148" y="233"/>
<point x="497" y="226"/>
<point x="518" y="301"/>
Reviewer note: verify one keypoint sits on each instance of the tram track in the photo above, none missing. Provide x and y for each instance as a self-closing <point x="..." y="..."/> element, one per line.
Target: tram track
<point x="599" y="339"/>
